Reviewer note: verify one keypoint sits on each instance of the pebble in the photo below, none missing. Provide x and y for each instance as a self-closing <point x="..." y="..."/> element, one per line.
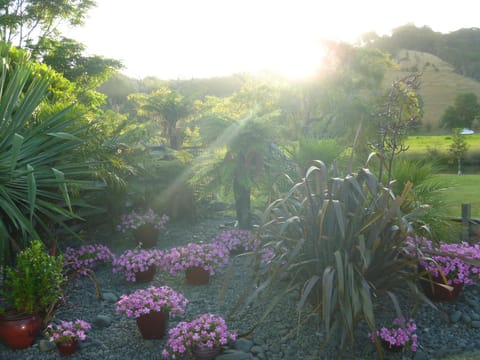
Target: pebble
<point x="45" y="345"/>
<point x="243" y="345"/>
<point x="455" y="316"/>
<point x="102" y="321"/>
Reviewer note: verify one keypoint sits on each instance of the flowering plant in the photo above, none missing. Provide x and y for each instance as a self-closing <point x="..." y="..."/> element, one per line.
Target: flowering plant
<point x="449" y="260"/>
<point x="400" y="334"/>
<point x="237" y="239"/>
<point x="144" y="301"/>
<point x="206" y="331"/>
<point x="208" y="256"/>
<point x="134" y="220"/>
<point x="67" y="331"/>
<point x="86" y="257"/>
<point x="137" y="260"/>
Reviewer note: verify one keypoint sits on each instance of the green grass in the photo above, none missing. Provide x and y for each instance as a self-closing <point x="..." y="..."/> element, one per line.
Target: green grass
<point x="425" y="144"/>
<point x="463" y="189"/>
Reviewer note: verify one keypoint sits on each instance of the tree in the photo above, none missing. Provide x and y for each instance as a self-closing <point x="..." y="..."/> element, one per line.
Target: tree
<point x="23" y="22"/>
<point x="237" y="132"/>
<point x="462" y="115"/>
<point x="458" y="148"/>
<point x="168" y="107"/>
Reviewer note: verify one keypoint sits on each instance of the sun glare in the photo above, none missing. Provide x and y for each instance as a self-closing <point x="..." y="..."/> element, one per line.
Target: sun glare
<point x="298" y="60"/>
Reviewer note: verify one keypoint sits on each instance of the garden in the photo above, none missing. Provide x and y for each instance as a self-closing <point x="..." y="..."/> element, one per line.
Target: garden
<point x="310" y="249"/>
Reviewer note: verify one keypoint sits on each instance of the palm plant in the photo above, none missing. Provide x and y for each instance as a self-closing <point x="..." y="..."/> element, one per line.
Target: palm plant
<point x="39" y="157"/>
<point x="345" y="240"/>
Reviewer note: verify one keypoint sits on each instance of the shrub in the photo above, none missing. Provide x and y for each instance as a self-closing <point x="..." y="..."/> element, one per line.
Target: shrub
<point x="345" y="239"/>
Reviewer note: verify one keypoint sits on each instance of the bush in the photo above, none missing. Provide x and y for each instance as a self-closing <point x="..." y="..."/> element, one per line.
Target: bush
<point x="345" y="239"/>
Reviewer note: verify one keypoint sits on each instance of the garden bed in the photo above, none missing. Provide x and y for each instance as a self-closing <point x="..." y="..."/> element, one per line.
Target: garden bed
<point x="284" y="335"/>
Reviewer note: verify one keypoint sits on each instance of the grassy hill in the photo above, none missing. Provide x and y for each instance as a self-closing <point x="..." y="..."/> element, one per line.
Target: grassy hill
<point x="440" y="85"/>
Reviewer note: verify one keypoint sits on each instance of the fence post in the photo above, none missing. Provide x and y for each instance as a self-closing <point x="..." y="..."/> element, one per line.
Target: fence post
<point x="466" y="222"/>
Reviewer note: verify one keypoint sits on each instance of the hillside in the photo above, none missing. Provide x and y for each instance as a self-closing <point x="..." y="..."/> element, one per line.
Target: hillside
<point x="440" y="84"/>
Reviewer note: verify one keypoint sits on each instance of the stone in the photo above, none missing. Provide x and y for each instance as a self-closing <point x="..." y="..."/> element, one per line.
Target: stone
<point x="233" y="355"/>
<point x="110" y="297"/>
<point x="466" y="318"/>
<point x="102" y="321"/>
<point x="45" y="345"/>
<point x="420" y="355"/>
<point x="243" y="345"/>
<point x="475" y="316"/>
<point x="256" y="349"/>
<point x="475" y="324"/>
<point x="455" y="316"/>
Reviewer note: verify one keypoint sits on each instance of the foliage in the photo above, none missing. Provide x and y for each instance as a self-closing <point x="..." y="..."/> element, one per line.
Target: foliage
<point x="426" y="197"/>
<point x="67" y="331"/>
<point x="209" y="256"/>
<point x="400" y="333"/>
<point x="459" y="48"/>
<point x="131" y="262"/>
<point x="344" y="239"/>
<point x="309" y="149"/>
<point x="205" y="331"/>
<point x="24" y="21"/>
<point x="152" y="299"/>
<point x="34" y="285"/>
<point x="86" y="257"/>
<point x="170" y="109"/>
<point x="462" y="115"/>
<point x="397" y="112"/>
<point x="134" y="220"/>
<point x="39" y="157"/>
<point x="458" y="148"/>
<point x="237" y="138"/>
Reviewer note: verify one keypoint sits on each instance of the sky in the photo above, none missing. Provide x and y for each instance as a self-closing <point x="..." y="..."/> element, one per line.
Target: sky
<point x="183" y="39"/>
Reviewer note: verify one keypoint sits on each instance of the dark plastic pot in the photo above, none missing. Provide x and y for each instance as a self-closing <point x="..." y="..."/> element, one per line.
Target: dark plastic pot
<point x="196" y="275"/>
<point x="153" y="325"/>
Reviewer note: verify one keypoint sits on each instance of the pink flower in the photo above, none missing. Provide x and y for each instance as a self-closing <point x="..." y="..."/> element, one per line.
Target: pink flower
<point x="67" y="331"/>
<point x="205" y="331"/>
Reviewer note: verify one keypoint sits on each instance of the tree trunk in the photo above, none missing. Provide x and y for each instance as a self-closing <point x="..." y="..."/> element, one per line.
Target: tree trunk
<point x="242" y="203"/>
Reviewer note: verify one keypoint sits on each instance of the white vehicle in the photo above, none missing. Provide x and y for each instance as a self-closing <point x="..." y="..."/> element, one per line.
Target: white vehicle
<point x="466" y="131"/>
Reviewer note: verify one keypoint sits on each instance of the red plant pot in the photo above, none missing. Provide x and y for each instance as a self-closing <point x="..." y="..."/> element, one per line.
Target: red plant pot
<point x="436" y="292"/>
<point x="153" y="325"/>
<point x="147" y="275"/>
<point x="67" y="348"/>
<point x="206" y="353"/>
<point x="196" y="275"/>
<point x="19" y="331"/>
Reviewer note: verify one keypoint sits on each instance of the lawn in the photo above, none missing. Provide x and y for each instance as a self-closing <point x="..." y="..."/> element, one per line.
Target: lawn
<point x="439" y="143"/>
<point x="464" y="189"/>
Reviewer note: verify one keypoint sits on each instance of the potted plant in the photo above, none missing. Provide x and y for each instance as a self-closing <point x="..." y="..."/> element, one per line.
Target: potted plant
<point x="237" y="240"/>
<point x="31" y="290"/>
<point x="399" y="336"/>
<point x="151" y="308"/>
<point x="86" y="257"/>
<point x="446" y="268"/>
<point x="138" y="264"/>
<point x="201" y="337"/>
<point x="199" y="261"/>
<point x="67" y="334"/>
<point x="145" y="226"/>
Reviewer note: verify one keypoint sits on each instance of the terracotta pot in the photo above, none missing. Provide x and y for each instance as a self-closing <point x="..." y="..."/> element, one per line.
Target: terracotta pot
<point x="19" y="331"/>
<point x="67" y="348"/>
<point x="147" y="275"/>
<point x="436" y="292"/>
<point x="153" y="325"/>
<point x="146" y="234"/>
<point x="196" y="275"/>
<point x="393" y="348"/>
<point x="206" y="353"/>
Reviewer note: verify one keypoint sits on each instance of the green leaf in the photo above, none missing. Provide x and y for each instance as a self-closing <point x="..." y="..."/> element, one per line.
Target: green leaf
<point x="32" y="190"/>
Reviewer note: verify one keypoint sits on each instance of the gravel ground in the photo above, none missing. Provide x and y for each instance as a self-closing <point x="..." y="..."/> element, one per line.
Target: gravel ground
<point x="453" y="330"/>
